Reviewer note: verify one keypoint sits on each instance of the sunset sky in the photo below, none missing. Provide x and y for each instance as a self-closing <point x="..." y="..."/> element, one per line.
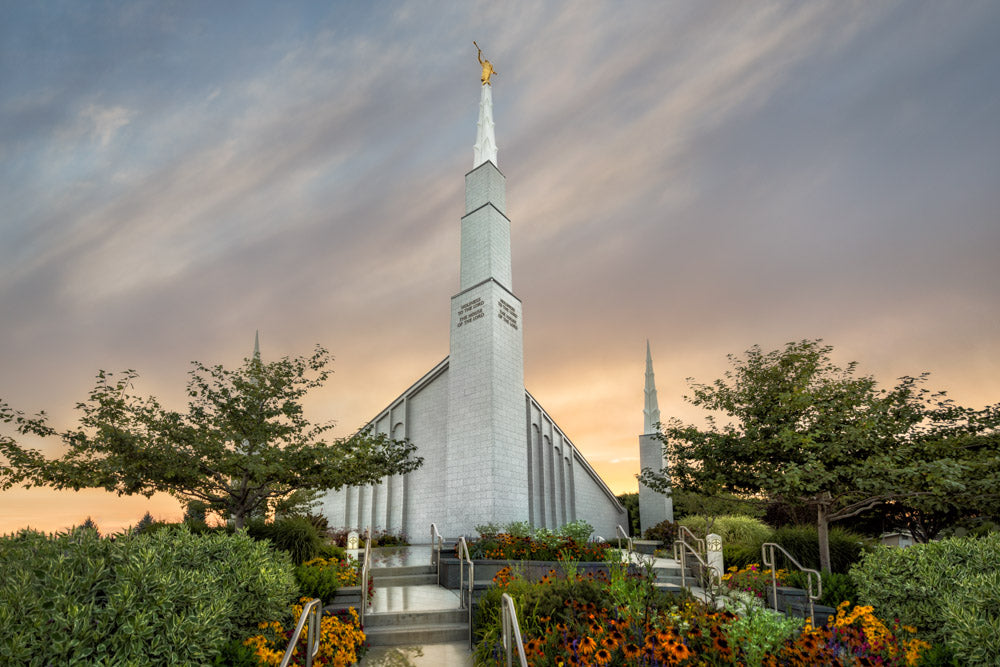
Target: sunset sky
<point x="706" y="175"/>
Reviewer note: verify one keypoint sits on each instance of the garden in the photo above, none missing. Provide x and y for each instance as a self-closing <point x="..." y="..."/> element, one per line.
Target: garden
<point x="173" y="594"/>
<point x="936" y="604"/>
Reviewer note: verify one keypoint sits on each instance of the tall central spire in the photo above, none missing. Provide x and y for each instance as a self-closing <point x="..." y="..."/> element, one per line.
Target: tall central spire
<point x="486" y="141"/>
<point x="651" y="410"/>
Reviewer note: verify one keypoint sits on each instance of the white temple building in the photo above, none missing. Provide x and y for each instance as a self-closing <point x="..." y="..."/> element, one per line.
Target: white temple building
<point x="491" y="452"/>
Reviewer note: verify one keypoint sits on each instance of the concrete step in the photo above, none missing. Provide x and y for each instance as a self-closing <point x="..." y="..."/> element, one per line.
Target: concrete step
<point x="383" y="580"/>
<point x="417" y="627"/>
<point x="401" y="570"/>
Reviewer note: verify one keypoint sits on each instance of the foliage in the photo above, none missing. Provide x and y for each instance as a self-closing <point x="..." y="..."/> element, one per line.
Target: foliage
<point x="296" y="535"/>
<point x="922" y="585"/>
<point x="235" y="654"/>
<point x="342" y="640"/>
<point x="800" y="429"/>
<point x="167" y="597"/>
<point x="837" y="588"/>
<point x="755" y="629"/>
<point x="731" y="528"/>
<point x="320" y="577"/>
<point x="846" y="548"/>
<point x="972" y="619"/>
<point x="630" y="501"/>
<point x="665" y="531"/>
<point x="583" y="621"/>
<point x="505" y="546"/>
<point x="243" y="443"/>
<point x="144" y="523"/>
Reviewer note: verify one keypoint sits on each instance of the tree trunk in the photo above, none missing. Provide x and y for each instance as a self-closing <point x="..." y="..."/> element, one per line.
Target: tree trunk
<point x="823" y="531"/>
<point x="238" y="520"/>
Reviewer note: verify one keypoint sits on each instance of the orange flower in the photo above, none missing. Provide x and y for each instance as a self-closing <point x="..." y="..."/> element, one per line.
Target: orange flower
<point x="603" y="656"/>
<point x="631" y="651"/>
<point x="587" y="645"/>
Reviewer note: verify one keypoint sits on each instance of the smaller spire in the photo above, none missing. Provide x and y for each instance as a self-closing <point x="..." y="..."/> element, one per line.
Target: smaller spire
<point x="651" y="411"/>
<point x="256" y="345"/>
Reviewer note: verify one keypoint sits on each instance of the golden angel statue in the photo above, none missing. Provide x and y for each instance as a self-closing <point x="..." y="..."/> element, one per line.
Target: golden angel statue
<point x="488" y="70"/>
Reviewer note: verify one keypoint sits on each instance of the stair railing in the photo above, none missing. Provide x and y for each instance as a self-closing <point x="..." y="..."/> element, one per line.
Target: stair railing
<point x="465" y="558"/>
<point x="684" y="549"/>
<point x="366" y="566"/>
<point x="700" y="543"/>
<point x="768" y="548"/>
<point x="511" y="627"/>
<point x="310" y="612"/>
<point x="437" y="542"/>
<point x="628" y="540"/>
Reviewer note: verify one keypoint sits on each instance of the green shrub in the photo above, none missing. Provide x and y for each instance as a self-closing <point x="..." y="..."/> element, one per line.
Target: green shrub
<point x="578" y="530"/>
<point x="740" y="555"/>
<point x="732" y="528"/>
<point x="947" y="590"/>
<point x="320" y="578"/>
<point x="519" y="529"/>
<point x="296" y="535"/>
<point x="837" y="588"/>
<point x="846" y="548"/>
<point x="972" y="619"/>
<point x="332" y="552"/>
<point x="665" y="531"/>
<point x="167" y="597"/>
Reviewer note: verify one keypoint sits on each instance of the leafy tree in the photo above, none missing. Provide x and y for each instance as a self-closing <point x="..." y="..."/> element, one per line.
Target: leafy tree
<point x="801" y="430"/>
<point x="243" y="442"/>
<point x="631" y="503"/>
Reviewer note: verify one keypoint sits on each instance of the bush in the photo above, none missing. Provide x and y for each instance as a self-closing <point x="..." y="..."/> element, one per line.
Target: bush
<point x="296" y="535"/>
<point x="320" y="578"/>
<point x="948" y="590"/>
<point x="846" y="548"/>
<point x="837" y="588"/>
<point x="740" y="555"/>
<point x="665" y="531"/>
<point x="732" y="528"/>
<point x="578" y="530"/>
<point x="168" y="597"/>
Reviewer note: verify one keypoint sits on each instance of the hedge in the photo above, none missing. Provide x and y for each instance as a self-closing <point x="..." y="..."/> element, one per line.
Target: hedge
<point x="168" y="597"/>
<point x="948" y="590"/>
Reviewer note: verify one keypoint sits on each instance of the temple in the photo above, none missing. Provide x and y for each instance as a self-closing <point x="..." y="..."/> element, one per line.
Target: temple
<point x="491" y="452"/>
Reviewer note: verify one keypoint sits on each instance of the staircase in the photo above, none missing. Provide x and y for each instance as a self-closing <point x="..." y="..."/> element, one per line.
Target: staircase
<point x="410" y="608"/>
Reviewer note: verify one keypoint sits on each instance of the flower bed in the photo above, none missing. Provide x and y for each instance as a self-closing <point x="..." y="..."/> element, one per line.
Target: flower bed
<point x="342" y="640"/>
<point x="504" y="546"/>
<point x="621" y="619"/>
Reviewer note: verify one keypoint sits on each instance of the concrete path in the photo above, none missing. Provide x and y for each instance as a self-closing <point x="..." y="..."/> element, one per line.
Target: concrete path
<point x="455" y="654"/>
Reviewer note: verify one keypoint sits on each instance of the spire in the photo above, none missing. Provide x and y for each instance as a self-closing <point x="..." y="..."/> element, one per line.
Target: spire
<point x="256" y="345"/>
<point x="651" y="411"/>
<point x="486" y="141"/>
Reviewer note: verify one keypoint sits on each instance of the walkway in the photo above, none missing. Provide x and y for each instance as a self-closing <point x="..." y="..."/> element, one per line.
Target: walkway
<point x="415" y="595"/>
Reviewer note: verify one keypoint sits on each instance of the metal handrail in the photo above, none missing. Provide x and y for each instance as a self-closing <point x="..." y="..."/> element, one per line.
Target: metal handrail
<point x="768" y="548"/>
<point x="620" y="533"/>
<point x="311" y="612"/>
<point x="510" y="623"/>
<point x="694" y="538"/>
<point x="437" y="542"/>
<point x="464" y="557"/>
<point x="365" y="570"/>
<point x="684" y="548"/>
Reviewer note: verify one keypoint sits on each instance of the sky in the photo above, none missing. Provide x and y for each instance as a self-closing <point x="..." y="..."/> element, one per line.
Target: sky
<point x="707" y="176"/>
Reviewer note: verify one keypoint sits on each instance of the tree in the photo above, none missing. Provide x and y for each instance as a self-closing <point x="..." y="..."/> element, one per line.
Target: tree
<point x="801" y="430"/>
<point x="243" y="442"/>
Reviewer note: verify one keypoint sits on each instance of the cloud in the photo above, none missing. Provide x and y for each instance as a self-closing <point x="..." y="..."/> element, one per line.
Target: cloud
<point x="106" y="121"/>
